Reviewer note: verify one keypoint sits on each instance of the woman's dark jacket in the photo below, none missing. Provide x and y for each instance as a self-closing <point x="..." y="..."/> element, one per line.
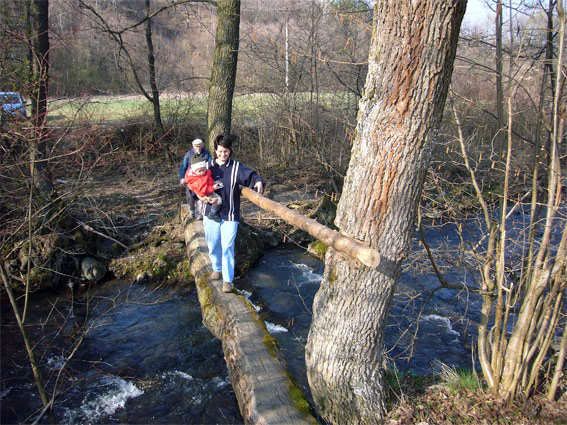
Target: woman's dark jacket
<point x="232" y="174"/>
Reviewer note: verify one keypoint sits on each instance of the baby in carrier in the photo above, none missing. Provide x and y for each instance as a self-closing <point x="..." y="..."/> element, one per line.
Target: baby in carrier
<point x="199" y="179"/>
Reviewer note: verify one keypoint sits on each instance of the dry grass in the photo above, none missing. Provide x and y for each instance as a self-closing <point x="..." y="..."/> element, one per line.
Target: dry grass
<point x="443" y="405"/>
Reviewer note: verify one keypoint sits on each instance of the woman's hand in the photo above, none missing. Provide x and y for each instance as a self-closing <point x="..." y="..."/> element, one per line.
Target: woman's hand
<point x="206" y="199"/>
<point x="259" y="187"/>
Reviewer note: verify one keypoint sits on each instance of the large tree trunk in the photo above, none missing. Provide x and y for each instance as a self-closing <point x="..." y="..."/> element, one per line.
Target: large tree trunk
<point x="223" y="76"/>
<point x="410" y="64"/>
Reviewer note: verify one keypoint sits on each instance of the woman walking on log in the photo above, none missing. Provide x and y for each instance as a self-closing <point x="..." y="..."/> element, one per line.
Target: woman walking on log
<point x="221" y="234"/>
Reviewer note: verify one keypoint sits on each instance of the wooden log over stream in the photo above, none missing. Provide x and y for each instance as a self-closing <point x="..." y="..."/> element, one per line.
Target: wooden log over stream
<point x="265" y="392"/>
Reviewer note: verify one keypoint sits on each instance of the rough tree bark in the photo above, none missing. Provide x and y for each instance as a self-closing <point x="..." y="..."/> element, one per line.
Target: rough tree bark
<point x="410" y="65"/>
<point x="223" y="75"/>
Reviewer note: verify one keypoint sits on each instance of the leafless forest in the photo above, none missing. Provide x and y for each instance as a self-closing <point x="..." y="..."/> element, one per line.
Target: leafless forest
<point x="297" y="54"/>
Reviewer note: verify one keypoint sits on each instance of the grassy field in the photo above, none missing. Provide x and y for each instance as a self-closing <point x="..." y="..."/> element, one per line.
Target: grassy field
<point x="188" y="106"/>
<point x="131" y="107"/>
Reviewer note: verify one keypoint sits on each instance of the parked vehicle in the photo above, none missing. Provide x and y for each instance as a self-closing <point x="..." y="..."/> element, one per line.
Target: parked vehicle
<point x="13" y="105"/>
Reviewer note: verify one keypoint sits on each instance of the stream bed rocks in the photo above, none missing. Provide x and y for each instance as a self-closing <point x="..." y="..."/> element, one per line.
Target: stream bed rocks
<point x="59" y="259"/>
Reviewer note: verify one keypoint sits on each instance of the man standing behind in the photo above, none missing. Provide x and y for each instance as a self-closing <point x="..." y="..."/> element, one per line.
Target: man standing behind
<point x="198" y="149"/>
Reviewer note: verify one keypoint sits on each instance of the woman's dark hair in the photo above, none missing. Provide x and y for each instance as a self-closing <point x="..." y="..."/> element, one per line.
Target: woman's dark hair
<point x="225" y="140"/>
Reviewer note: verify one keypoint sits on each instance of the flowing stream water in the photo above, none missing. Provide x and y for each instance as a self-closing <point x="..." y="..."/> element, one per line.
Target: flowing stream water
<point x="147" y="358"/>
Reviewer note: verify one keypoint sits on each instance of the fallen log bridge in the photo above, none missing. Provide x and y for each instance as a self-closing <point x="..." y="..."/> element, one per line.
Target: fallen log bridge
<point x="265" y="391"/>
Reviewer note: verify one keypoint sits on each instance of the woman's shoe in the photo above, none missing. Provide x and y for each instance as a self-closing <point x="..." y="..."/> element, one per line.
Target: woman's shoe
<point x="227" y="287"/>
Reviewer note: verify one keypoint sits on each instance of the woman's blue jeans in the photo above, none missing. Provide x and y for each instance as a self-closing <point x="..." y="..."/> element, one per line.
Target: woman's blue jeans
<point x="220" y="238"/>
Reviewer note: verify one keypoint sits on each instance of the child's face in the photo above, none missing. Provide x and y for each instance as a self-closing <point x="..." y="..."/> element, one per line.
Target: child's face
<point x="197" y="148"/>
<point x="200" y="171"/>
